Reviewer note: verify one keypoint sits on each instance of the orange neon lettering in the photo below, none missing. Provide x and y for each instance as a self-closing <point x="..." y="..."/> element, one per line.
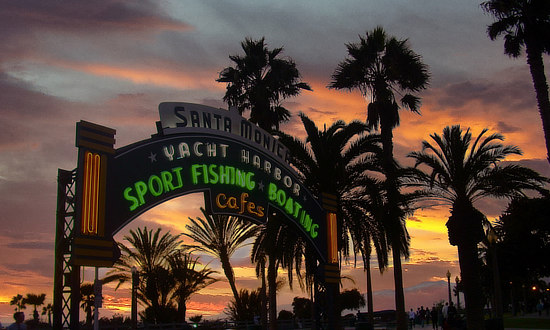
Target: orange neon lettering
<point x="90" y="198"/>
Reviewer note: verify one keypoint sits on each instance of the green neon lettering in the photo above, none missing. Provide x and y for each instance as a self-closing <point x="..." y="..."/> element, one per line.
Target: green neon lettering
<point x="272" y="191"/>
<point x="155" y="181"/>
<point x="141" y="190"/>
<point x="307" y="223"/>
<point x="131" y="198"/>
<point x="167" y="180"/>
<point x="313" y="233"/>
<point x="205" y="172"/>
<point x="214" y="176"/>
<point x="281" y="197"/>
<point x="297" y="208"/>
<point x="289" y="206"/>
<point x="177" y="171"/>
<point x="231" y="172"/>
<point x="240" y="178"/>
<point x="194" y="173"/>
<point x="224" y="175"/>
<point x="250" y="184"/>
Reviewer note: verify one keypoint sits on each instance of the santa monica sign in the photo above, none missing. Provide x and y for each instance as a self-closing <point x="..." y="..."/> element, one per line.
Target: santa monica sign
<point x="241" y="169"/>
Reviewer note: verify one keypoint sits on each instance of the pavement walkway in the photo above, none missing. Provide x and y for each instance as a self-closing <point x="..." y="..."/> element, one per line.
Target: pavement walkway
<point x="544" y="315"/>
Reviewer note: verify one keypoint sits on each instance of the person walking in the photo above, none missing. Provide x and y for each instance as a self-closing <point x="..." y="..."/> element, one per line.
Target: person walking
<point x="411" y="318"/>
<point x="445" y="311"/>
<point x="434" y="315"/>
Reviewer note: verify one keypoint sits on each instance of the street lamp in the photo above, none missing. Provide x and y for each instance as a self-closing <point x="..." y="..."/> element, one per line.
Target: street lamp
<point x="449" y="285"/>
<point x="457" y="281"/>
<point x="492" y="239"/>
<point x="135" y="281"/>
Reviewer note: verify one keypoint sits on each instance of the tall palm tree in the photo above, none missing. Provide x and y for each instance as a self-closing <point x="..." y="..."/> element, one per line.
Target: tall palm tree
<point x="344" y="153"/>
<point x="525" y="23"/>
<point x="260" y="81"/>
<point x="188" y="278"/>
<point x="35" y="300"/>
<point x="380" y="67"/>
<point x="273" y="245"/>
<point x="221" y="236"/>
<point x="461" y="173"/>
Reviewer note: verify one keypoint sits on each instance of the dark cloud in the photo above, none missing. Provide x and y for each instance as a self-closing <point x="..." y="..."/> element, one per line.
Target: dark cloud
<point x="38" y="266"/>
<point x="513" y="90"/>
<point x="312" y="110"/>
<point x="414" y="219"/>
<point x="101" y="15"/>
<point x="503" y="127"/>
<point x="31" y="245"/>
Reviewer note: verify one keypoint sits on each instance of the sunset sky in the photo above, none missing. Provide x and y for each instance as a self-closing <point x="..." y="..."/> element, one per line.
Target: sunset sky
<point x="112" y="62"/>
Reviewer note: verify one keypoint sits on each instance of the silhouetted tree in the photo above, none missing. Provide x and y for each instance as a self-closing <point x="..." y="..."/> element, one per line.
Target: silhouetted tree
<point x="249" y="307"/>
<point x="350" y="299"/>
<point x="87" y="299"/>
<point x="344" y="153"/>
<point x="523" y="245"/>
<point x="525" y="23"/>
<point x="380" y="67"/>
<point x="19" y="302"/>
<point x="285" y="315"/>
<point x="221" y="236"/>
<point x="301" y="307"/>
<point x="188" y="278"/>
<point x="35" y="300"/>
<point x="459" y="173"/>
<point x="260" y="81"/>
<point x="48" y="310"/>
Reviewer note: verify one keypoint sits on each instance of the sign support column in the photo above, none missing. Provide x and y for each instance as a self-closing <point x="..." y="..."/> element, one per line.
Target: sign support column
<point x="331" y="270"/>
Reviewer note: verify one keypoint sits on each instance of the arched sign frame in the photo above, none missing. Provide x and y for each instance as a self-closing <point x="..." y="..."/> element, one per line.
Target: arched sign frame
<point x="241" y="169"/>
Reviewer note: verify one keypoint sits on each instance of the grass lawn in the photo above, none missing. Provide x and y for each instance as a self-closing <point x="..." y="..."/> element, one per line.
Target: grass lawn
<point x="526" y="323"/>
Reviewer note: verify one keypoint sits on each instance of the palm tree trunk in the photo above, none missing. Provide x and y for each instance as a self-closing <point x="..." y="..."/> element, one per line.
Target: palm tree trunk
<point x="263" y="294"/>
<point x="272" y="283"/>
<point x="394" y="220"/>
<point x="182" y="310"/>
<point x="228" y="271"/>
<point x="399" y="294"/>
<point x="536" y="66"/>
<point x="370" y="304"/>
<point x="469" y="273"/>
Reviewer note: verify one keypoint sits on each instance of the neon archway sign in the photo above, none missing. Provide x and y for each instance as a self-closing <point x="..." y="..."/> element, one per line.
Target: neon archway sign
<point x="241" y="169"/>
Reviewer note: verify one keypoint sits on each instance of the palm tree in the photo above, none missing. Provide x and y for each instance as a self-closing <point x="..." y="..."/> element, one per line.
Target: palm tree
<point x="380" y="66"/>
<point x="461" y="173"/>
<point x="344" y="153"/>
<point x="248" y="308"/>
<point x="260" y="81"/>
<point x="269" y="247"/>
<point x="48" y="310"/>
<point x="19" y="302"/>
<point x="221" y="236"/>
<point x="149" y="253"/>
<point x="155" y="291"/>
<point x="35" y="300"/>
<point x="188" y="278"/>
<point x="525" y="23"/>
<point x="87" y="298"/>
